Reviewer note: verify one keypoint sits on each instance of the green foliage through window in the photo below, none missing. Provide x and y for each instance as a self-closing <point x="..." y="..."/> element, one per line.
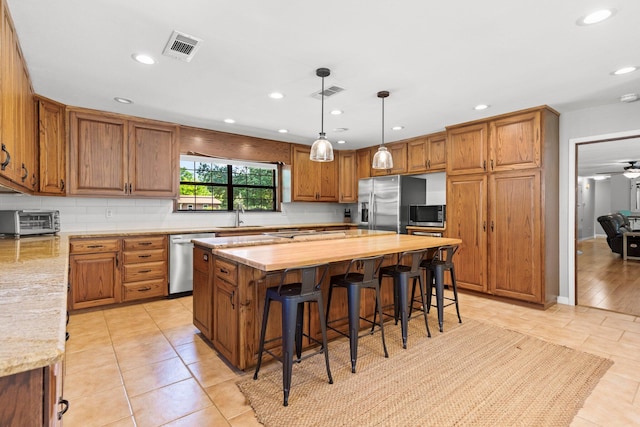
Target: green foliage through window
<point x="214" y="185"/>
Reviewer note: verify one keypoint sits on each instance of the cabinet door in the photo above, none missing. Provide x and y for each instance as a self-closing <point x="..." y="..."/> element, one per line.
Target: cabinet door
<point x="26" y="129"/>
<point x="54" y="405"/>
<point x="97" y="155"/>
<point x="304" y="176"/>
<point x="202" y="290"/>
<point x="437" y="149"/>
<point x="364" y="163"/>
<point x="53" y="155"/>
<point x="10" y="167"/>
<point x="328" y="182"/>
<point x="153" y="159"/>
<point x="22" y="399"/>
<point x="225" y="321"/>
<point x="515" y="249"/>
<point x="417" y="155"/>
<point x="399" y="154"/>
<point x="515" y="142"/>
<point x="466" y="220"/>
<point x="94" y="279"/>
<point x="347" y="177"/>
<point x="467" y="149"/>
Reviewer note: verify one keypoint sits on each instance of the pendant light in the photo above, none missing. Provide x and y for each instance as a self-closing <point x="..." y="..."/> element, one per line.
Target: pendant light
<point x="382" y="159"/>
<point x="321" y="150"/>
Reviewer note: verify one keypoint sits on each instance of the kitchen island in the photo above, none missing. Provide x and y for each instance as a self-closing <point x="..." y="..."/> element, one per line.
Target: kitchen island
<point x="230" y="284"/>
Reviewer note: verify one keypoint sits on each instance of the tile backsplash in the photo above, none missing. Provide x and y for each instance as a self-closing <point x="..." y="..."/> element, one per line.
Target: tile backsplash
<point x="83" y="214"/>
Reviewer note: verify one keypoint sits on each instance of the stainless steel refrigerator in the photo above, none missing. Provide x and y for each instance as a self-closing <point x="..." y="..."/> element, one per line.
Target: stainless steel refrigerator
<point x="383" y="202"/>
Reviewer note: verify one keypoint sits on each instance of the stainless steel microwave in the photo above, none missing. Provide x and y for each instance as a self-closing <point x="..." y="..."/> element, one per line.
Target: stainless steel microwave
<point x="427" y="215"/>
<point x="27" y="222"/>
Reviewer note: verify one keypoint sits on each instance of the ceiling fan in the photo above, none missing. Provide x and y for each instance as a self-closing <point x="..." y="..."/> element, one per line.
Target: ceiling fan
<point x="631" y="171"/>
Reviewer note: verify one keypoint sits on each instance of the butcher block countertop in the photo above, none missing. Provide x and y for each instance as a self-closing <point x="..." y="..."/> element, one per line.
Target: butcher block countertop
<point x="278" y="257"/>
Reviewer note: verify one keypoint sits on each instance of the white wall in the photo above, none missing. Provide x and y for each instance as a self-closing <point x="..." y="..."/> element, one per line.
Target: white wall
<point x="602" y="203"/>
<point x="80" y="214"/>
<point x="436" y="187"/>
<point x="591" y="124"/>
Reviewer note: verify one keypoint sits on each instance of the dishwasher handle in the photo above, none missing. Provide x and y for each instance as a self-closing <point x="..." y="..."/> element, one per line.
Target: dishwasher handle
<point x="181" y="242"/>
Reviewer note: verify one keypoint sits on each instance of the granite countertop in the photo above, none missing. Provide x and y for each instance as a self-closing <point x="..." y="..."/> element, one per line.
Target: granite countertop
<point x="261" y="239"/>
<point x="33" y="302"/>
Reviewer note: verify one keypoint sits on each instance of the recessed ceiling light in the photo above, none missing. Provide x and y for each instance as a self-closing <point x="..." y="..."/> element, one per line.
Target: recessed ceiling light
<point x="397" y="128"/>
<point x="601" y="177"/>
<point x="336" y="112"/>
<point x="143" y="58"/>
<point x="595" y="17"/>
<point x="230" y="121"/>
<point x="629" y="97"/>
<point x="340" y="129"/>
<point x="123" y="100"/>
<point x="625" y="70"/>
<point x="283" y="130"/>
<point x="276" y="95"/>
<point x="480" y="107"/>
<point x="342" y="141"/>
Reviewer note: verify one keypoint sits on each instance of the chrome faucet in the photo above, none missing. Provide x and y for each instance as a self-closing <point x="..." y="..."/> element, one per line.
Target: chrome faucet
<point x="239" y="207"/>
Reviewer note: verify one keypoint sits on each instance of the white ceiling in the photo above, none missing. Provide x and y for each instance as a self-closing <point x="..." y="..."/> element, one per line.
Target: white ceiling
<point x="438" y="60"/>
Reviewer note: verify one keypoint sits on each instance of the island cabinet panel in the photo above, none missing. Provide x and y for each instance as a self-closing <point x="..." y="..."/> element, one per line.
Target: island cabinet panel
<point x="225" y="309"/>
<point x="203" y="290"/>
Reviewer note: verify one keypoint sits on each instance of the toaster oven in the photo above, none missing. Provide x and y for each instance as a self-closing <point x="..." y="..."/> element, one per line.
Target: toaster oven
<point x="29" y="222"/>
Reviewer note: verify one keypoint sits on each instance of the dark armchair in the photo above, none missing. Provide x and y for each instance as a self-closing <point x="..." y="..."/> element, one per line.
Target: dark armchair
<point x="615" y="225"/>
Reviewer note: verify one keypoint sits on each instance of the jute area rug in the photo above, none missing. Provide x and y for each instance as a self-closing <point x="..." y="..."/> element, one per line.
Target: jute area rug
<point x="472" y="374"/>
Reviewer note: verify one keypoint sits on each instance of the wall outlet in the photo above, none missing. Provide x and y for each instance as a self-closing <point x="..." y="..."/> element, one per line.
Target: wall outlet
<point x="108" y="213"/>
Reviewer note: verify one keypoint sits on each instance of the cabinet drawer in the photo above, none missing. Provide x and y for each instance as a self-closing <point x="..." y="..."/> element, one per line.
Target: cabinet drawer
<point x="142" y="243"/>
<point x="226" y="270"/>
<point x="201" y="259"/>
<point x="93" y="246"/>
<point x="146" y="289"/>
<point x="136" y="257"/>
<point x="146" y="271"/>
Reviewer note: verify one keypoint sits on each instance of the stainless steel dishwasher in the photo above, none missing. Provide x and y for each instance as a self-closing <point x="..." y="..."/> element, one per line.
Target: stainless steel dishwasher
<point x="181" y="262"/>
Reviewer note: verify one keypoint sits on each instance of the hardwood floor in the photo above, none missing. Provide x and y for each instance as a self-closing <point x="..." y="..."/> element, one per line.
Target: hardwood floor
<point x="604" y="280"/>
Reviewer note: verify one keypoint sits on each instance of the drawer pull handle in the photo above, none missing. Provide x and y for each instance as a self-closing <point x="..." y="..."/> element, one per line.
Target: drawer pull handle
<point x="144" y="243"/>
<point x="145" y="289"/>
<point x="144" y="271"/>
<point x="144" y="256"/>
<point x="8" y="160"/>
<point x="94" y="246"/>
<point x="224" y="270"/>
<point x="65" y="403"/>
<point x="66" y="336"/>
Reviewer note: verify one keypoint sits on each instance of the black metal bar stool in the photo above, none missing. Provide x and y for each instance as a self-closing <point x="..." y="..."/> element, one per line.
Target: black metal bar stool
<point x="435" y="267"/>
<point x="401" y="274"/>
<point x="292" y="297"/>
<point x="354" y="282"/>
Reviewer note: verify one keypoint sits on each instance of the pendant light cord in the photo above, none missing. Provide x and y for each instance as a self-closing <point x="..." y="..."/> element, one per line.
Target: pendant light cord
<point x="322" y="109"/>
<point x="383" y="121"/>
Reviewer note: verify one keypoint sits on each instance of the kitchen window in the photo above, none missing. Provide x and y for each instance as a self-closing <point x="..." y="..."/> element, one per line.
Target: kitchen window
<point x="208" y="184"/>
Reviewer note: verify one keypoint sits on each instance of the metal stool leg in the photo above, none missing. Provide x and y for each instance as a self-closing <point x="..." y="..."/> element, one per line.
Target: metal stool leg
<point x="289" y="315"/>
<point x="353" y="302"/>
<point x="424" y="303"/>
<point x="323" y="328"/>
<point x="263" y="331"/>
<point x="439" y="277"/>
<point x="379" y="308"/>
<point x="455" y="293"/>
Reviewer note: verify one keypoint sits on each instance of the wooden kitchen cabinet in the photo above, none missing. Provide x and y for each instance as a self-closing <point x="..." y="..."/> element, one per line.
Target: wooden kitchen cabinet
<point x="225" y="309"/>
<point x="506" y="216"/>
<point x="18" y="165"/>
<point x="144" y="267"/>
<point x="313" y="181"/>
<point x="427" y="153"/>
<point x="203" y="290"/>
<point x="52" y="147"/>
<point x="33" y="398"/>
<point x="347" y="176"/>
<point x="398" y="152"/>
<point x="110" y="155"/>
<point x="94" y="275"/>
<point x="363" y="162"/>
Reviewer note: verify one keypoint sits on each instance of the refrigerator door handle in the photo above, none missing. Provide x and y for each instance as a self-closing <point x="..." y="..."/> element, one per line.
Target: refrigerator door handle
<point x="372" y="207"/>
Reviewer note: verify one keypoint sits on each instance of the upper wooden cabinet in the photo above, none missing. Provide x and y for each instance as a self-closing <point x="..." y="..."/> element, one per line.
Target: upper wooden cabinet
<point x="312" y="181"/>
<point x="398" y="152"/>
<point x="18" y="162"/>
<point x="347" y="177"/>
<point x="508" y="142"/>
<point x="112" y="156"/>
<point x="427" y="153"/>
<point x="52" y="147"/>
<point x="363" y="162"/>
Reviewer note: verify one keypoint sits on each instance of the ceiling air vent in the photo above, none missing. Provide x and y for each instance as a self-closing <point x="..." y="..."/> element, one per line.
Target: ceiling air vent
<point x="327" y="92"/>
<point x="181" y="46"/>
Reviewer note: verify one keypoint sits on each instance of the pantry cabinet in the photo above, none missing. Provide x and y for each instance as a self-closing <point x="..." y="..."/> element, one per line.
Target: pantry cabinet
<point x="347" y="176"/>
<point x="313" y="181"/>
<point x="110" y="155"/>
<point x="502" y="202"/>
<point x="52" y="147"/>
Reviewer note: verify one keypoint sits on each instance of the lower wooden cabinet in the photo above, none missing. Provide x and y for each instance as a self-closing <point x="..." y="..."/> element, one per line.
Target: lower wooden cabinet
<point x="114" y="270"/>
<point x="225" y="310"/>
<point x="203" y="290"/>
<point x="33" y="398"/>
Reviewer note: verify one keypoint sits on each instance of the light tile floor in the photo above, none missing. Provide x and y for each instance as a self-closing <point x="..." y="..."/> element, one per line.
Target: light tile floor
<point x="146" y="364"/>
